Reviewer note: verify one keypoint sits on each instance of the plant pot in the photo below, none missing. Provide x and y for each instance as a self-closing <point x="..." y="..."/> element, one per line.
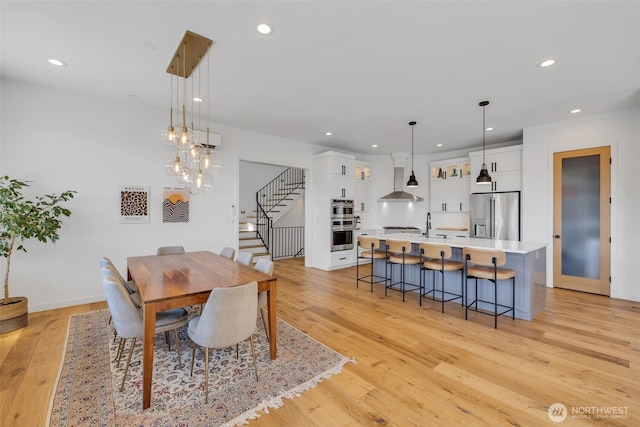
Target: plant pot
<point x="14" y="315"/>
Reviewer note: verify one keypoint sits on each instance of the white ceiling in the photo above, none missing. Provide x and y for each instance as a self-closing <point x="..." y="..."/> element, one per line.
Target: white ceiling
<point x="361" y="70"/>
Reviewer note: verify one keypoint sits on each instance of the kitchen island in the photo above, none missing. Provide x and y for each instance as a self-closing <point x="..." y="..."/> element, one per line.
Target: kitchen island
<point x="527" y="259"/>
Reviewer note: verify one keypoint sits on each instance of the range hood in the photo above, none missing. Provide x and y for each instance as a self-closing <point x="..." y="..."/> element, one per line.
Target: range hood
<point x="398" y="195"/>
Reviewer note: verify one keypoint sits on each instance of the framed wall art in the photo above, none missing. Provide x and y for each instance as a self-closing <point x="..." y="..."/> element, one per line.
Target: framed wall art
<point x="175" y="205"/>
<point x="134" y="204"/>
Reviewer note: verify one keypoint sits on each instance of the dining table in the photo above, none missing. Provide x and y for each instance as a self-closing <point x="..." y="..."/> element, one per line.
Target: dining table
<point x="180" y="280"/>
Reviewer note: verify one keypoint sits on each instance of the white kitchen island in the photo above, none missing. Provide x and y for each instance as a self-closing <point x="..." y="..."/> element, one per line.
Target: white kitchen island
<point x="527" y="259"/>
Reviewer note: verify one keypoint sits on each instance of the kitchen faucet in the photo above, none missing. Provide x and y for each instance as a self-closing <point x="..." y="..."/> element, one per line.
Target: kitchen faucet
<point x="428" y="227"/>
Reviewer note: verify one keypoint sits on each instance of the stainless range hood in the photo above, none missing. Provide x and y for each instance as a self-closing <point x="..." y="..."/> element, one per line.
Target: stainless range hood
<point x="398" y="194"/>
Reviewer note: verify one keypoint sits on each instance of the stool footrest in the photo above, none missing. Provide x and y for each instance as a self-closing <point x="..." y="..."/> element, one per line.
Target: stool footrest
<point x="486" y="311"/>
<point x="376" y="279"/>
<point x="441" y="299"/>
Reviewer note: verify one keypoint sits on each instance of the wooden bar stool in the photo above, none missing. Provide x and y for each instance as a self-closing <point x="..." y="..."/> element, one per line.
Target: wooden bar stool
<point x="485" y="264"/>
<point x="371" y="246"/>
<point x="436" y="257"/>
<point x="399" y="251"/>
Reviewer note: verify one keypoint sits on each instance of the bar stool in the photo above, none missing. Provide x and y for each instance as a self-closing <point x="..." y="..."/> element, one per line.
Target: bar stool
<point x="436" y="257"/>
<point x="485" y="264"/>
<point x="371" y="246"/>
<point x="399" y="254"/>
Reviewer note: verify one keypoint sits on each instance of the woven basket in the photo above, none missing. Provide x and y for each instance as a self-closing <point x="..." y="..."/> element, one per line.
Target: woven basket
<point x="14" y="315"/>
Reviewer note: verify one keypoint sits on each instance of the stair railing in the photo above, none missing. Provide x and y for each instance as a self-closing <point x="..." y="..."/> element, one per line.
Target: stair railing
<point x="271" y="196"/>
<point x="279" y="188"/>
<point x="264" y="224"/>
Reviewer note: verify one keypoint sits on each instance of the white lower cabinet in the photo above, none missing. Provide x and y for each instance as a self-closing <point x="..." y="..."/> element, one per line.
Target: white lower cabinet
<point x="342" y="259"/>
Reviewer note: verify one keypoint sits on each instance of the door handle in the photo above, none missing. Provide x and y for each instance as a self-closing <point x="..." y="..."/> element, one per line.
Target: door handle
<point x="557" y="236"/>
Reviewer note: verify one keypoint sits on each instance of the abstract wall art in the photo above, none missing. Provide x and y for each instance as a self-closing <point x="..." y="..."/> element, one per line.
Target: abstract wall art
<point x="175" y="205"/>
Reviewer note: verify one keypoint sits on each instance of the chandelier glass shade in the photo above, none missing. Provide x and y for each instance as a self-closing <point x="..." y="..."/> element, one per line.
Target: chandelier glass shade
<point x="193" y="162"/>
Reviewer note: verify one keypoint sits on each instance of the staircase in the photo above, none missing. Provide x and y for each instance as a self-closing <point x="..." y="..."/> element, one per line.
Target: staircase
<point x="249" y="241"/>
<point x="272" y="202"/>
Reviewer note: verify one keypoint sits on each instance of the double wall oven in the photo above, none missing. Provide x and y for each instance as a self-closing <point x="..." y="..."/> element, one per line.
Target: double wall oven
<point x="342" y="225"/>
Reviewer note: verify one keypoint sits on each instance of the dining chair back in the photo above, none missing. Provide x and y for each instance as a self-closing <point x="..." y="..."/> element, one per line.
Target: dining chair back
<point x="110" y="270"/>
<point x="170" y="250"/>
<point x="227" y="318"/>
<point x="131" y="287"/>
<point x="245" y="258"/>
<point x="264" y="266"/>
<point x="127" y="319"/>
<point x="228" y="252"/>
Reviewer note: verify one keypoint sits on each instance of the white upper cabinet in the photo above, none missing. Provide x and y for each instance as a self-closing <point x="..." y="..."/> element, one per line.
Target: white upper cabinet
<point x="343" y="166"/>
<point x="342" y="187"/>
<point x="362" y="186"/>
<point x="450" y="185"/>
<point x="504" y="166"/>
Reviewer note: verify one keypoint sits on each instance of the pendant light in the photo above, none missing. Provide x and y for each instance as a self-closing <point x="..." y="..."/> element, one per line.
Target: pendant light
<point x="413" y="182"/>
<point x="483" y="177"/>
<point x="194" y="162"/>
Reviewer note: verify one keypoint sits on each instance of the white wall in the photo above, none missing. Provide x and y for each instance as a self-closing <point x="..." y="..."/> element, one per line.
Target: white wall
<point x="64" y="141"/>
<point x="620" y="130"/>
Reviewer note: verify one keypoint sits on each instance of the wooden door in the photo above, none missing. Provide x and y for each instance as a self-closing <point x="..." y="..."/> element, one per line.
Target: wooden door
<point x="582" y="220"/>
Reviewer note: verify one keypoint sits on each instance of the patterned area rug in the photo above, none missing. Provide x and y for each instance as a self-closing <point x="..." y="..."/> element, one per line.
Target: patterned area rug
<point x="87" y="391"/>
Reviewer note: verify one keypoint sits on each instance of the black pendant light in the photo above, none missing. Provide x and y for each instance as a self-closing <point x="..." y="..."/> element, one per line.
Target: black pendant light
<point x="413" y="182"/>
<point x="484" y="177"/>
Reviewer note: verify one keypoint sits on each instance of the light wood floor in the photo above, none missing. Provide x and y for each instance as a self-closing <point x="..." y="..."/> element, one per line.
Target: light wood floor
<point x="415" y="366"/>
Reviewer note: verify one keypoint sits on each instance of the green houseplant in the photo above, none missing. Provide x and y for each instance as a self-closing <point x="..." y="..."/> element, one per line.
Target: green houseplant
<point x="22" y="219"/>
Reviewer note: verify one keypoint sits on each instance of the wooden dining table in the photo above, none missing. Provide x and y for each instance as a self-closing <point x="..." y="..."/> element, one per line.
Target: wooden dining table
<point x="171" y="281"/>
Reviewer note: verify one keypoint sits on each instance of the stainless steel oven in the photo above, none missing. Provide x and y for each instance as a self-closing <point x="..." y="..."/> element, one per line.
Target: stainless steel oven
<point x="341" y="238"/>
<point x="341" y="208"/>
<point x="342" y="225"/>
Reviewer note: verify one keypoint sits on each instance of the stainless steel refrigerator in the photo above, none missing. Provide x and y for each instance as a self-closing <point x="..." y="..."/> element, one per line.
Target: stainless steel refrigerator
<point x="495" y="215"/>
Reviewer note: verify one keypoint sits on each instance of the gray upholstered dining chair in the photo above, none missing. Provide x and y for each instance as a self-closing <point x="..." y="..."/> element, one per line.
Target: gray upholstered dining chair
<point x="245" y="258"/>
<point x="127" y="320"/>
<point x="109" y="270"/>
<point x="169" y="250"/>
<point x="228" y="252"/>
<point x="228" y="318"/>
<point x="264" y="266"/>
<point x="131" y="287"/>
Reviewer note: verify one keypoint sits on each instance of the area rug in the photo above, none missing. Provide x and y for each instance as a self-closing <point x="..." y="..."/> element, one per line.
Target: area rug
<point x="87" y="391"/>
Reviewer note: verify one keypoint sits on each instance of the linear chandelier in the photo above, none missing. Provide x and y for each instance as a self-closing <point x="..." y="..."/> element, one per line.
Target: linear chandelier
<point x="194" y="163"/>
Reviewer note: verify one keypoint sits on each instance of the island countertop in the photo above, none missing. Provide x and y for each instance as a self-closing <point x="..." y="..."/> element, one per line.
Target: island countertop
<point x="509" y="246"/>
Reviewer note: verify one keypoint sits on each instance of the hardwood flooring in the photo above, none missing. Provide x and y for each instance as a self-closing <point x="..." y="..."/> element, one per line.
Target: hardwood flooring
<point x="415" y="365"/>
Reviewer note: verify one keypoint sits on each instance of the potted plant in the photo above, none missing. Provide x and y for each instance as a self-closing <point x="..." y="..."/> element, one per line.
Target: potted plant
<point x="22" y="219"/>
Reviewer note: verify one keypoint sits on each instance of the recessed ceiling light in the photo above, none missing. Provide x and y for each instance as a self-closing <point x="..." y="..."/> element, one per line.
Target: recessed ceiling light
<point x="576" y="111"/>
<point x="547" y="63"/>
<point x="489" y="129"/>
<point x="438" y="145"/>
<point x="374" y="146"/>
<point x="196" y="99"/>
<point x="328" y="133"/>
<point x="264" y="29"/>
<point x="56" y="62"/>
